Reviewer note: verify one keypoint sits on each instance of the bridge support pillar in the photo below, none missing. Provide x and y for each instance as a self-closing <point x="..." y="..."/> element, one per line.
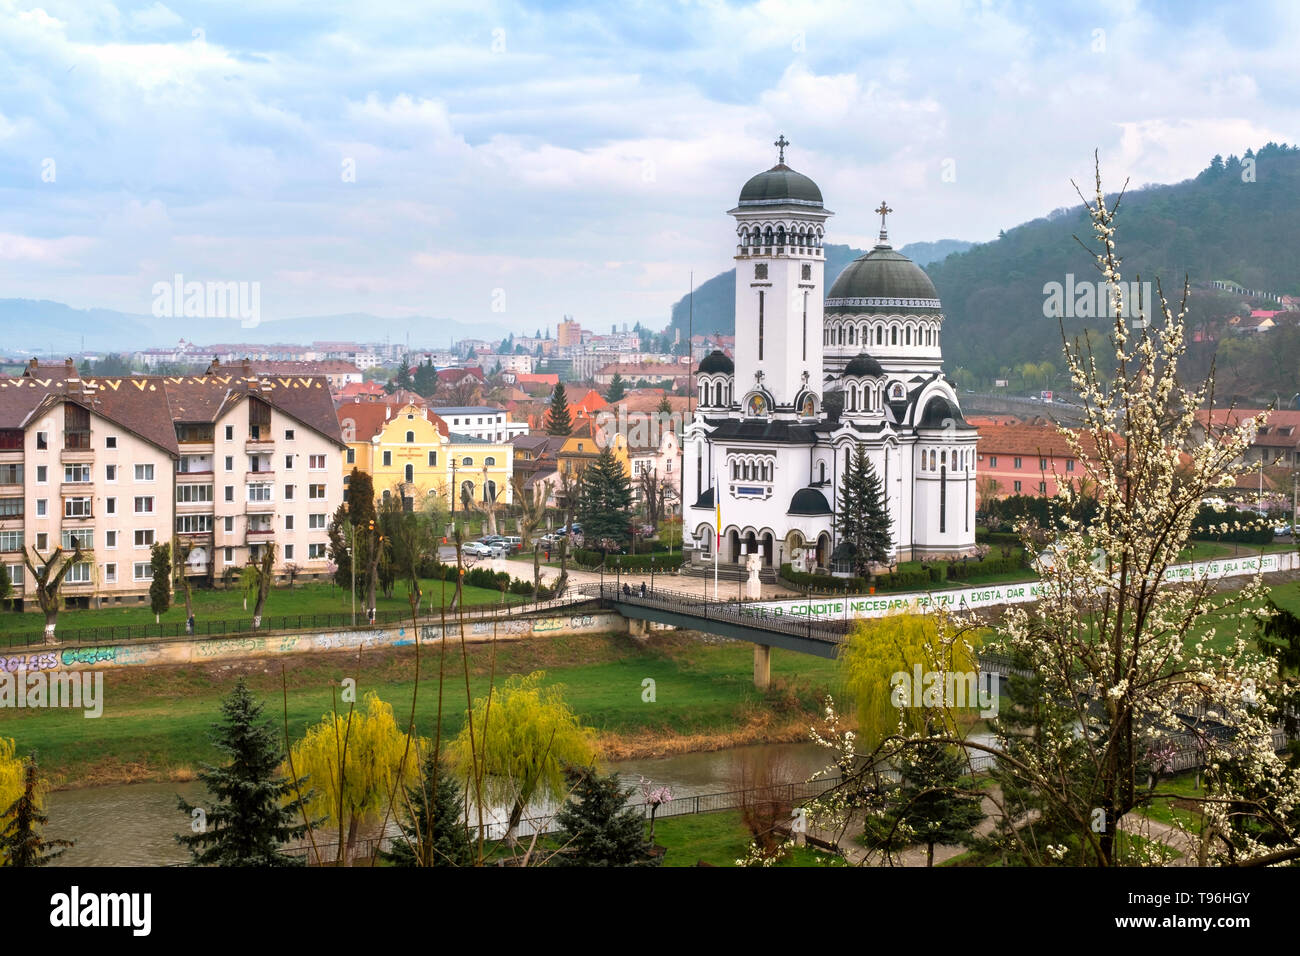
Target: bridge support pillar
<point x="762" y="666"/>
<point x="638" y="628"/>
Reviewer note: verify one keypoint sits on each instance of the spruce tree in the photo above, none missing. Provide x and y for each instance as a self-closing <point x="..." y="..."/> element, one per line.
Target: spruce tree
<point x="160" y="590"/>
<point x="21" y="843"/>
<point x="254" y="807"/>
<point x="597" y="827"/>
<point x="434" y="834"/>
<point x="605" y="501"/>
<point x="558" y="419"/>
<point x="877" y="538"/>
<point x="930" y="806"/>
<point x="617" y="389"/>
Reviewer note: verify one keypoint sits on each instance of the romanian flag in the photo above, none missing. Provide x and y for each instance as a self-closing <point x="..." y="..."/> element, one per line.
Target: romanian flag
<point x="717" y="507"/>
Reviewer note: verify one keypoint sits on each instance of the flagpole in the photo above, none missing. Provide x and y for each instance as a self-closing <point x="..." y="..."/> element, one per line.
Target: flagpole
<point x="717" y="546"/>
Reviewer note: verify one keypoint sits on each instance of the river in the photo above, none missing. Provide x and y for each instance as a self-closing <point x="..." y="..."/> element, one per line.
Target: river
<point x="136" y="824"/>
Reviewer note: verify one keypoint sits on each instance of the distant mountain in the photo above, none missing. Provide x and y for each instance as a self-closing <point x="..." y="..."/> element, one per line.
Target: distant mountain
<point x="715" y="299"/>
<point x="28" y="326"/>
<point x="1236" y="220"/>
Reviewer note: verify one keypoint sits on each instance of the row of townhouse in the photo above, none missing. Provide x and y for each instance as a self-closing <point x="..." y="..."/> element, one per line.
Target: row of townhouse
<point x="226" y="463"/>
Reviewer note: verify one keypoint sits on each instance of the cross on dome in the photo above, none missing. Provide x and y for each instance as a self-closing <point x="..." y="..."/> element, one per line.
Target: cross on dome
<point x="781" y="143"/>
<point x="883" y="211"/>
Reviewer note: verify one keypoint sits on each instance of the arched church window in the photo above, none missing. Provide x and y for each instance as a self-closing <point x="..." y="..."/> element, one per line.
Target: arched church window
<point x="821" y="474"/>
<point x="780" y="235"/>
<point x="852" y="333"/>
<point x="893" y="335"/>
<point x="767" y="234"/>
<point x="880" y="335"/>
<point x="932" y="460"/>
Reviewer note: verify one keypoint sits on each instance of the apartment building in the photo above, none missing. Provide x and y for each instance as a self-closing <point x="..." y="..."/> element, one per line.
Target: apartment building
<point x="225" y="464"/>
<point x="481" y="421"/>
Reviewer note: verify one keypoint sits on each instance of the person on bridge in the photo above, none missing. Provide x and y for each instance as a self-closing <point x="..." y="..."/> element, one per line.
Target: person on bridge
<point x="627" y="590"/>
<point x="643" y="589"/>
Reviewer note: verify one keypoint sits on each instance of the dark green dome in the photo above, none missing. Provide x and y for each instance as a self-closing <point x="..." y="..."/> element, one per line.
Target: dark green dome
<point x="882" y="281"/>
<point x="716" y="361"/>
<point x="809" y="501"/>
<point x="864" y="364"/>
<point x="779" y="185"/>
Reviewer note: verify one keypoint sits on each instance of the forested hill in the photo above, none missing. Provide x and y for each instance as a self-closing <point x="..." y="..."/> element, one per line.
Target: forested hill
<point x="1231" y="222"/>
<point x="715" y="299"/>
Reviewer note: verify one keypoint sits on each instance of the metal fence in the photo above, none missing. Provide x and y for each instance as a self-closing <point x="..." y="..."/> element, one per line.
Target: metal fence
<point x="117" y="633"/>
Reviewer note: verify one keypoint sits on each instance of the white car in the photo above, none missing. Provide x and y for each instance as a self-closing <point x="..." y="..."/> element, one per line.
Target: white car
<point x="478" y="549"/>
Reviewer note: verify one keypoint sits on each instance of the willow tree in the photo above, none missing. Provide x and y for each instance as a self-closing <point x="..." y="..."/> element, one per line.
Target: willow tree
<point x="21" y="823"/>
<point x="518" y="741"/>
<point x="356" y="764"/>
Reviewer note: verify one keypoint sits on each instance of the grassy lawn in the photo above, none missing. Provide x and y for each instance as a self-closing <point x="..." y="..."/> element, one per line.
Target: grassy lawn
<point x="1209" y="550"/>
<point x="156" y="720"/>
<point x="228" y="605"/>
<point x="1164" y="810"/>
<point x="720" y="839"/>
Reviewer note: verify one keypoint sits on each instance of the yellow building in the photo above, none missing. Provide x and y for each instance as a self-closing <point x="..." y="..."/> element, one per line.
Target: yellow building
<point x="410" y="451"/>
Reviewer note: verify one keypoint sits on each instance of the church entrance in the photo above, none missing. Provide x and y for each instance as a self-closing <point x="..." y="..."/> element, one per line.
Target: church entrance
<point x="733" y="540"/>
<point x="767" y="549"/>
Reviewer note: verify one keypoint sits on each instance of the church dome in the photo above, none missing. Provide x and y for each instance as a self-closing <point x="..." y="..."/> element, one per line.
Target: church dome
<point x="779" y="186"/>
<point x="882" y="281"/>
<point x="940" y="412"/>
<point x="864" y="364"/>
<point x="809" y="501"/>
<point x="716" y="361"/>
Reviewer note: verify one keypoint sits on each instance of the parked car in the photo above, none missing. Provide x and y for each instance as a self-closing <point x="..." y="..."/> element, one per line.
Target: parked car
<point x="477" y="549"/>
<point x="1281" y="530"/>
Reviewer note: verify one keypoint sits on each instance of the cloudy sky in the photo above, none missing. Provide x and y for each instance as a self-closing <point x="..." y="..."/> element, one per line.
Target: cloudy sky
<point x="514" y="162"/>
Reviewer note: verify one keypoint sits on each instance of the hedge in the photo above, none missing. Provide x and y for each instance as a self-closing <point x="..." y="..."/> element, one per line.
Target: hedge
<point x="913" y="579"/>
<point x="484" y="578"/>
<point x="627" y="562"/>
<point x="1258" y="530"/>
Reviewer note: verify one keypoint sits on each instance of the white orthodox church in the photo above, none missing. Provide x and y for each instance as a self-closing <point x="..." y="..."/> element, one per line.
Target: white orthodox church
<point x="815" y="375"/>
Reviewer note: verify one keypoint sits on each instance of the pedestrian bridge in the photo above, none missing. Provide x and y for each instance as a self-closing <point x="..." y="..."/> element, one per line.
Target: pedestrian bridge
<point x="736" y="620"/>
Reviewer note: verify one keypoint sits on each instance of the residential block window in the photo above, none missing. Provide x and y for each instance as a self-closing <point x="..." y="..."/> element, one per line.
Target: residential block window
<point x="288" y="526"/>
<point x="144" y="538"/>
<point x="315" y="491"/>
<point x="193" y="494"/>
<point x="11" y="540"/>
<point x="230" y="463"/>
<point x="288" y="552"/>
<point x="79" y="573"/>
<point x="74" y="474"/>
<point x="230" y="523"/>
<point x="288" y="492"/>
<point x="230" y="433"/>
<point x="110" y="506"/>
<point x="228" y="555"/>
<point x="1069" y="465"/>
<point x="316" y="463"/>
<point x="110" y="574"/>
<point x="76" y="508"/>
<point x="42" y="441"/>
<point x="110" y="539"/>
<point x="288" y="462"/>
<point x="1042" y="464"/>
<point x="144" y="504"/>
<point x="1042" y="487"/>
<point x="193" y="524"/>
<point x="259" y="492"/>
<point x="144" y="472"/>
<point x="142" y="571"/>
<point x="79" y="536"/>
<point x="110" y="472"/>
<point x="315" y="551"/>
<point x="42" y="507"/>
<point x="1017" y="462"/>
<point x="993" y="461"/>
<point x="314" y="522"/>
<point x="42" y="541"/>
<point x="1017" y="486"/>
<point x="288" y="434"/>
<point x="230" y="492"/>
<point x="42" y="474"/>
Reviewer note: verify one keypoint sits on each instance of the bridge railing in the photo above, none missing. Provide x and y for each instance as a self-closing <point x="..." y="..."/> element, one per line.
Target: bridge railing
<point x="692" y="605"/>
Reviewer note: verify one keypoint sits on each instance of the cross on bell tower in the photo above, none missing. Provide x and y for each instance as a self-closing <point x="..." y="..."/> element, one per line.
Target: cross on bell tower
<point x="781" y="144"/>
<point x="883" y="211"/>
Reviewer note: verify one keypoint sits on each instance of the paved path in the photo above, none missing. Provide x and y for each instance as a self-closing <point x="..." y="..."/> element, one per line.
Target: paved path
<point x="727" y="590"/>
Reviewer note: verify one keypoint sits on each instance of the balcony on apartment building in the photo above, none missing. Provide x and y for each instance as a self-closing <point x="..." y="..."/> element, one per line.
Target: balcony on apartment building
<point x="261" y="528"/>
<point x="11" y="480"/>
<point x="191" y="464"/>
<point x="260" y="440"/>
<point x="196" y="440"/>
<point x="260" y="468"/>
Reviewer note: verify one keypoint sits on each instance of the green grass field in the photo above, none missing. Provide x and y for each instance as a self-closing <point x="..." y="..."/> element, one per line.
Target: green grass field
<point x="156" y="720"/>
<point x="719" y="839"/>
<point x="218" y="604"/>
